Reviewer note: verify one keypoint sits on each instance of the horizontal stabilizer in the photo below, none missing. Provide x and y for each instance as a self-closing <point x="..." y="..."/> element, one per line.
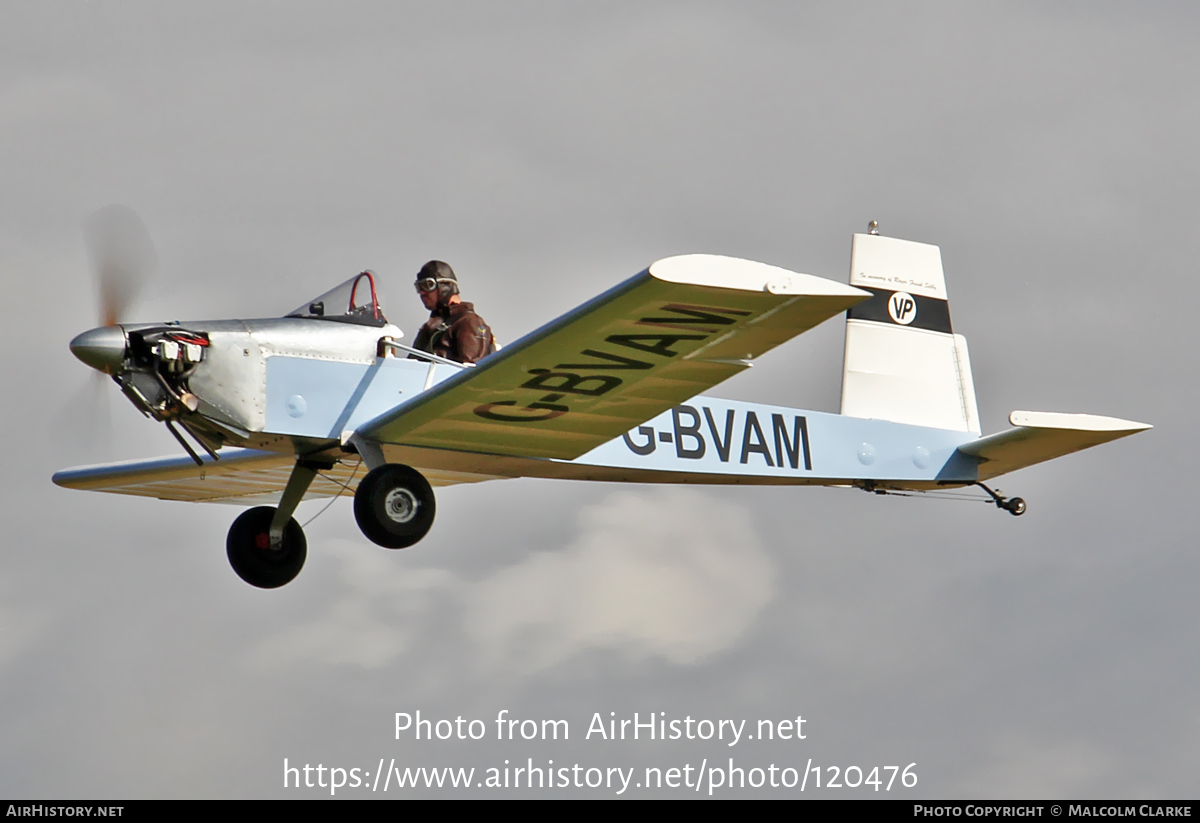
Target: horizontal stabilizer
<point x="1041" y="436"/>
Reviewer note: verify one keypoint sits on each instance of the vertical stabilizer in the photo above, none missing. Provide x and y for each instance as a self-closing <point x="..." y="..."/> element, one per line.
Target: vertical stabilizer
<point x="903" y="360"/>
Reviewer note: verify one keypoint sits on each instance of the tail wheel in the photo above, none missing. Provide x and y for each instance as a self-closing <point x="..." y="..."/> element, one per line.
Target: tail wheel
<point x="1015" y="506"/>
<point x="394" y="506"/>
<point x="248" y="547"/>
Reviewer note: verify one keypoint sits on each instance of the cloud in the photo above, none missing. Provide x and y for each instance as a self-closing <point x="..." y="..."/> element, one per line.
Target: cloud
<point x="673" y="574"/>
<point x="377" y="617"/>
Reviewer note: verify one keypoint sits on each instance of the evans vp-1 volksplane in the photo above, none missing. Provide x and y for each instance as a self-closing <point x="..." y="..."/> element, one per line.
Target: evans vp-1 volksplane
<point x="326" y="400"/>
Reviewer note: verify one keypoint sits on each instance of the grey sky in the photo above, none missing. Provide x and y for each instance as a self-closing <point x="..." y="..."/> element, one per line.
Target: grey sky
<point x="549" y="151"/>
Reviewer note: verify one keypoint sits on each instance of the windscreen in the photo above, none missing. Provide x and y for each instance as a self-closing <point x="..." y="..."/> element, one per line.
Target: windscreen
<point x="354" y="301"/>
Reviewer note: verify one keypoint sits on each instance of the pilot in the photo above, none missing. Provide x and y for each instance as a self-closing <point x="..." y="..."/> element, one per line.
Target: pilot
<point x="453" y="330"/>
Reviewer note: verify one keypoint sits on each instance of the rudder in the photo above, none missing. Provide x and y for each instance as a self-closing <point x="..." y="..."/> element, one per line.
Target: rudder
<point x="903" y="361"/>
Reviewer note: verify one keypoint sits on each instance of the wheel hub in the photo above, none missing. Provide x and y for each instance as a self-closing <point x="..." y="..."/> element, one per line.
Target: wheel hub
<point x="400" y="505"/>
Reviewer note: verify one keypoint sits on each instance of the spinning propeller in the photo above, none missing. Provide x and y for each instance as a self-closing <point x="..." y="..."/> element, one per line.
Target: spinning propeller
<point x="123" y="260"/>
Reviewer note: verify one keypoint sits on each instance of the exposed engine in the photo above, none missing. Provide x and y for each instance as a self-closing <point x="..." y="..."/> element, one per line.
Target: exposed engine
<point x="158" y="363"/>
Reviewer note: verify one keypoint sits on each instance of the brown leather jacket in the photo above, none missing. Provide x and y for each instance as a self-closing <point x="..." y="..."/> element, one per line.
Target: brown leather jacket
<point x="456" y="332"/>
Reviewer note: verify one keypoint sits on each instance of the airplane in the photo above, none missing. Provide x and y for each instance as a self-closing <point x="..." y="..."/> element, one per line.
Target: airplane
<point x="326" y="401"/>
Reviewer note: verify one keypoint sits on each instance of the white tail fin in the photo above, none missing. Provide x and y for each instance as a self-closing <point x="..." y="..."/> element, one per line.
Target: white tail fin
<point x="903" y="361"/>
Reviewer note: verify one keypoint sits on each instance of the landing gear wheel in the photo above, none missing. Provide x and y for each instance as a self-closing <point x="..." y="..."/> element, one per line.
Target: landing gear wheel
<point x="1015" y="506"/>
<point x="249" y="549"/>
<point x="394" y="506"/>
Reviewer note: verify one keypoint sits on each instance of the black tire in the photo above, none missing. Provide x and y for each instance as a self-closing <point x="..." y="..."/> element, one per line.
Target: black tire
<point x="248" y="547"/>
<point x="1016" y="506"/>
<point x="394" y="506"/>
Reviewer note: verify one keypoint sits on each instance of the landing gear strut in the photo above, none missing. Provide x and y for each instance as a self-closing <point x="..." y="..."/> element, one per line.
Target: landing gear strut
<point x="394" y="506"/>
<point x="1013" y="505"/>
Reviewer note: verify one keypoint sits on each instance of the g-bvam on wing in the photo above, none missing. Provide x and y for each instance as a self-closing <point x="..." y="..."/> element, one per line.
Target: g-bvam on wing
<point x="609" y="391"/>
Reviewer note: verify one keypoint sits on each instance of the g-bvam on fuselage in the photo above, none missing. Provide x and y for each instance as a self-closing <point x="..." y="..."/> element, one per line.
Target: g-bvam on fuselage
<point x="326" y="400"/>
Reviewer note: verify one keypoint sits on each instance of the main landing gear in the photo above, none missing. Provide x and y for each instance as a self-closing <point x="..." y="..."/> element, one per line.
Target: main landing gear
<point x="254" y="558"/>
<point x="394" y="507"/>
<point x="266" y="546"/>
<point x="1013" y="505"/>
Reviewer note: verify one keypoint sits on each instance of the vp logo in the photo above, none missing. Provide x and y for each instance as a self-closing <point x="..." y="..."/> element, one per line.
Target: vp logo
<point x="902" y="308"/>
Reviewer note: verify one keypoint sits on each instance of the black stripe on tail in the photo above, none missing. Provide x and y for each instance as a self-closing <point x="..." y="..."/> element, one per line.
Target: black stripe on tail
<point x="899" y="308"/>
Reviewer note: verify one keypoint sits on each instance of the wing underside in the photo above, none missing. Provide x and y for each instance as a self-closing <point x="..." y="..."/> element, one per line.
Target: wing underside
<point x="242" y="477"/>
